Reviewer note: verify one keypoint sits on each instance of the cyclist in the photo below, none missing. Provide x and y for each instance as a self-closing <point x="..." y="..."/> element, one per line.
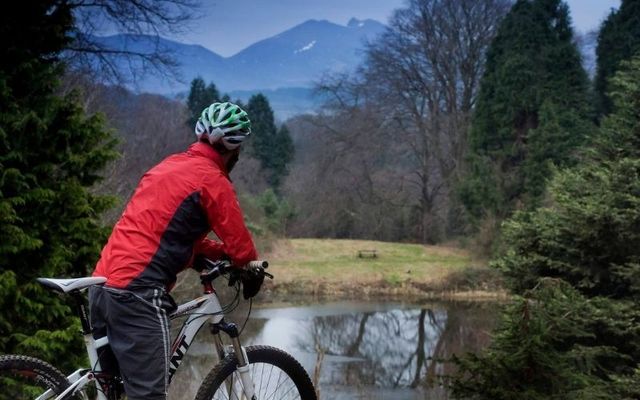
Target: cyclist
<point x="162" y="231"/>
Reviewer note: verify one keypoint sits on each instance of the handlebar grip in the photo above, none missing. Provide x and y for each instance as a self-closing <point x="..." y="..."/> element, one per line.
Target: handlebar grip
<point x="258" y="264"/>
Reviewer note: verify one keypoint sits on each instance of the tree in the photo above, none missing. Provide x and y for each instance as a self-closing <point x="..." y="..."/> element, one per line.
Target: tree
<point x="51" y="155"/>
<point x="423" y="74"/>
<point x="144" y="21"/>
<point x="271" y="146"/>
<point x="589" y="237"/>
<point x="283" y="151"/>
<point x="554" y="343"/>
<point x="343" y="158"/>
<point x="574" y="333"/>
<point x="531" y="112"/>
<point x="618" y="40"/>
<point x="200" y="96"/>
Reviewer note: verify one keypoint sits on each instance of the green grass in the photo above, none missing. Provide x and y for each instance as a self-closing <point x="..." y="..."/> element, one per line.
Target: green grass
<point x="329" y="260"/>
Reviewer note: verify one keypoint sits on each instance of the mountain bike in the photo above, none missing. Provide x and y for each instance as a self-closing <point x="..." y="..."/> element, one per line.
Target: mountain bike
<point x="253" y="372"/>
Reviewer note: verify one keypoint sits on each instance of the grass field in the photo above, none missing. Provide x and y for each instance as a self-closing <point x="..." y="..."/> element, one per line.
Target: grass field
<point x="328" y="266"/>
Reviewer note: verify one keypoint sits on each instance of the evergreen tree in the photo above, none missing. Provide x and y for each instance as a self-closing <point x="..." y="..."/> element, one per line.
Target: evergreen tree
<point x="580" y="337"/>
<point x="533" y="92"/>
<point x="282" y="155"/>
<point x="273" y="147"/>
<point x="618" y="40"/>
<point x="200" y="96"/>
<point x="555" y="344"/>
<point x="50" y="156"/>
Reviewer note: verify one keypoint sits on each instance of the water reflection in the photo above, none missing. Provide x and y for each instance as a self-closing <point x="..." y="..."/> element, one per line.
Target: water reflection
<point x="370" y="350"/>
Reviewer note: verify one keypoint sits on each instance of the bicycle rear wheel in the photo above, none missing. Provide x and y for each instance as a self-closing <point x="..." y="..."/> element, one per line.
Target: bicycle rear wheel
<point x="23" y="377"/>
<point x="275" y="374"/>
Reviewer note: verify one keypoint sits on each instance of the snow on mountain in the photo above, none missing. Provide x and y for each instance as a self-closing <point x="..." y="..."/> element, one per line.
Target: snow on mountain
<point x="294" y="58"/>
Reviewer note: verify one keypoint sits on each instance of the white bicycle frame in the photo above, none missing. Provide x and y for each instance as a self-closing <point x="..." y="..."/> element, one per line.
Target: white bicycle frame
<point x="201" y="310"/>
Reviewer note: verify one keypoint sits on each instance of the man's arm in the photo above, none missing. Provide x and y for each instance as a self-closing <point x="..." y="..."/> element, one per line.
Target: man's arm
<point x="221" y="205"/>
<point x="210" y="249"/>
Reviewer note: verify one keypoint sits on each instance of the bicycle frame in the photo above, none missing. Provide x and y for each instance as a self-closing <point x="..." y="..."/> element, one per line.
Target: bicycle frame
<point x="200" y="310"/>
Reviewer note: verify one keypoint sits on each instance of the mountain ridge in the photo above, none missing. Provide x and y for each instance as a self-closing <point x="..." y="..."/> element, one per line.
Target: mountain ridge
<point x="295" y="57"/>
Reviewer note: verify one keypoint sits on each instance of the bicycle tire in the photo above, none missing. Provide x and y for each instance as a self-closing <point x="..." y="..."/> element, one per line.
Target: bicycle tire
<point x="23" y="377"/>
<point x="213" y="387"/>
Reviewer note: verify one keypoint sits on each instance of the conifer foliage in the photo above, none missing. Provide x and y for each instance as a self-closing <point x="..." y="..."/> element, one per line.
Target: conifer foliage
<point x="51" y="154"/>
<point x="530" y="112"/>
<point x="575" y="332"/>
<point x="201" y="95"/>
<point x="272" y="146"/>
<point x="619" y="40"/>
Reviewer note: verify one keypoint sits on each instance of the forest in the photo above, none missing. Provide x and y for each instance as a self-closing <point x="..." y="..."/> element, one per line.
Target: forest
<point x="469" y="122"/>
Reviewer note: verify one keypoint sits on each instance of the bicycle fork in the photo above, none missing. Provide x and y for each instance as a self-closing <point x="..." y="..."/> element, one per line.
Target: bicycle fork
<point x="243" y="361"/>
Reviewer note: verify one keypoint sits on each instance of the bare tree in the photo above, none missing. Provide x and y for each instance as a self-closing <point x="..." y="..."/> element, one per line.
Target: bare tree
<point x="424" y="73"/>
<point x="145" y="21"/>
<point x="343" y="179"/>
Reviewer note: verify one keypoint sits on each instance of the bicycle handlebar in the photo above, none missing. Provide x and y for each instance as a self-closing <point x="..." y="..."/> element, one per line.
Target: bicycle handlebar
<point x="214" y="269"/>
<point x="257" y="264"/>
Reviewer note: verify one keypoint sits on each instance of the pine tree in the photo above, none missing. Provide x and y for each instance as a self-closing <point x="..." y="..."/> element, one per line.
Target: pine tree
<point x="533" y="73"/>
<point x="51" y="155"/>
<point x="200" y="96"/>
<point x="282" y="155"/>
<point x="618" y="40"/>
<point x="554" y="344"/>
<point x="578" y="337"/>
<point x="273" y="147"/>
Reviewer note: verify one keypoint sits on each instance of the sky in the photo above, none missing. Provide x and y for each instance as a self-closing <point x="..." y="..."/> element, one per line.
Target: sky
<point x="228" y="26"/>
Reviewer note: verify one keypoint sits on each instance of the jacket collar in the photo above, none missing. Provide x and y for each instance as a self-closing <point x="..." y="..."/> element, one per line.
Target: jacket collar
<point x="203" y="149"/>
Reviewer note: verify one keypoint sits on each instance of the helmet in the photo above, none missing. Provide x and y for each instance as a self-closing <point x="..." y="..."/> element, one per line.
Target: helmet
<point x="225" y="122"/>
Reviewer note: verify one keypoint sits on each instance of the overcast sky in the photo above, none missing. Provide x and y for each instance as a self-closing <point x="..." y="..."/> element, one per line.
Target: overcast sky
<point x="228" y="26"/>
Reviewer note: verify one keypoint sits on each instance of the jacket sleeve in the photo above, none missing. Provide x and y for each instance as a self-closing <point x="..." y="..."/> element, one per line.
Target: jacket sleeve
<point x="221" y="205"/>
<point x="210" y="249"/>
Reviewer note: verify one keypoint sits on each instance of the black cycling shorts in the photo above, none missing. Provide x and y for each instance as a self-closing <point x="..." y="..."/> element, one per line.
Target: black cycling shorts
<point x="137" y="326"/>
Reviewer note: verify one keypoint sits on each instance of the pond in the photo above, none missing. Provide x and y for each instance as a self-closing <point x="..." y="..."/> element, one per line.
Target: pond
<point x="364" y="350"/>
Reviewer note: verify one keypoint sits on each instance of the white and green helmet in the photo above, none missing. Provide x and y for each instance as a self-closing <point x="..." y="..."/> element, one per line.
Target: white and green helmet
<point x="225" y="122"/>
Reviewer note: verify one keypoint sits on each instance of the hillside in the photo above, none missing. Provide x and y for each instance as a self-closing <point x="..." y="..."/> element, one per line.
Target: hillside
<point x="294" y="58"/>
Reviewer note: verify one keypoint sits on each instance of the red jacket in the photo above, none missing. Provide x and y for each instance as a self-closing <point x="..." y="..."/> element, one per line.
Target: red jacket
<point x="176" y="204"/>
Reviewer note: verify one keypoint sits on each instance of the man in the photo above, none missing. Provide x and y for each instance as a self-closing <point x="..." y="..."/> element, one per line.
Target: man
<point x="163" y="228"/>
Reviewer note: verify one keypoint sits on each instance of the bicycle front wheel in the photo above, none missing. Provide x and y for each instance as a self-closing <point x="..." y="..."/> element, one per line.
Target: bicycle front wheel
<point x="23" y="377"/>
<point x="275" y="375"/>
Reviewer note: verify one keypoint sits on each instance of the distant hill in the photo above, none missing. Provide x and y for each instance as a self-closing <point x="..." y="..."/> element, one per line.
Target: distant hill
<point x="285" y="102"/>
<point x="294" y="58"/>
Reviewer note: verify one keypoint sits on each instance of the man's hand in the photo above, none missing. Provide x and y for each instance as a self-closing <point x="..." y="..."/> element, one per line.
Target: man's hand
<point x="252" y="282"/>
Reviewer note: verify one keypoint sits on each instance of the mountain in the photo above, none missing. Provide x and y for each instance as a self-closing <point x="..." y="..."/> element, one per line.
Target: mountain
<point x="294" y="58"/>
<point x="302" y="54"/>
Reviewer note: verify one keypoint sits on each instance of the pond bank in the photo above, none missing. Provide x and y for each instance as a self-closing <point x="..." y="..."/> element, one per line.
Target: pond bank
<point x="375" y="291"/>
<point x="334" y="269"/>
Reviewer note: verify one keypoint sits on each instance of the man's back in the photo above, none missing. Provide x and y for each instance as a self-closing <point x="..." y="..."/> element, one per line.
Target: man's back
<point x="170" y="212"/>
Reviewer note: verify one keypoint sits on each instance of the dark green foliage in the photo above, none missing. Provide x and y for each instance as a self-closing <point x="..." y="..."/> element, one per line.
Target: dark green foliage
<point x="533" y="92"/>
<point x="200" y="96"/>
<point x="282" y="155"/>
<point x="576" y="332"/>
<point x="50" y="155"/>
<point x="277" y="212"/>
<point x="556" y="344"/>
<point x="272" y="146"/>
<point x="590" y="236"/>
<point x="619" y="40"/>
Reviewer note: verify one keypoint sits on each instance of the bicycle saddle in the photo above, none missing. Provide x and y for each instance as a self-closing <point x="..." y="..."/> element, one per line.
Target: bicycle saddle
<point x="68" y="285"/>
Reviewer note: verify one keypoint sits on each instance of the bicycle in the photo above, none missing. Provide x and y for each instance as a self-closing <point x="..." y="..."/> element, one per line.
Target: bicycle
<point x="254" y="372"/>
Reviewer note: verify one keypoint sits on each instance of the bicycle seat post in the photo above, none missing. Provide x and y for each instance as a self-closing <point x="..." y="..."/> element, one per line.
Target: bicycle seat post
<point x="81" y="310"/>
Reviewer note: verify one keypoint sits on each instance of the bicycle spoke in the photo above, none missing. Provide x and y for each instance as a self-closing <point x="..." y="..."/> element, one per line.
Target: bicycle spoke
<point x="270" y="383"/>
<point x="277" y="386"/>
